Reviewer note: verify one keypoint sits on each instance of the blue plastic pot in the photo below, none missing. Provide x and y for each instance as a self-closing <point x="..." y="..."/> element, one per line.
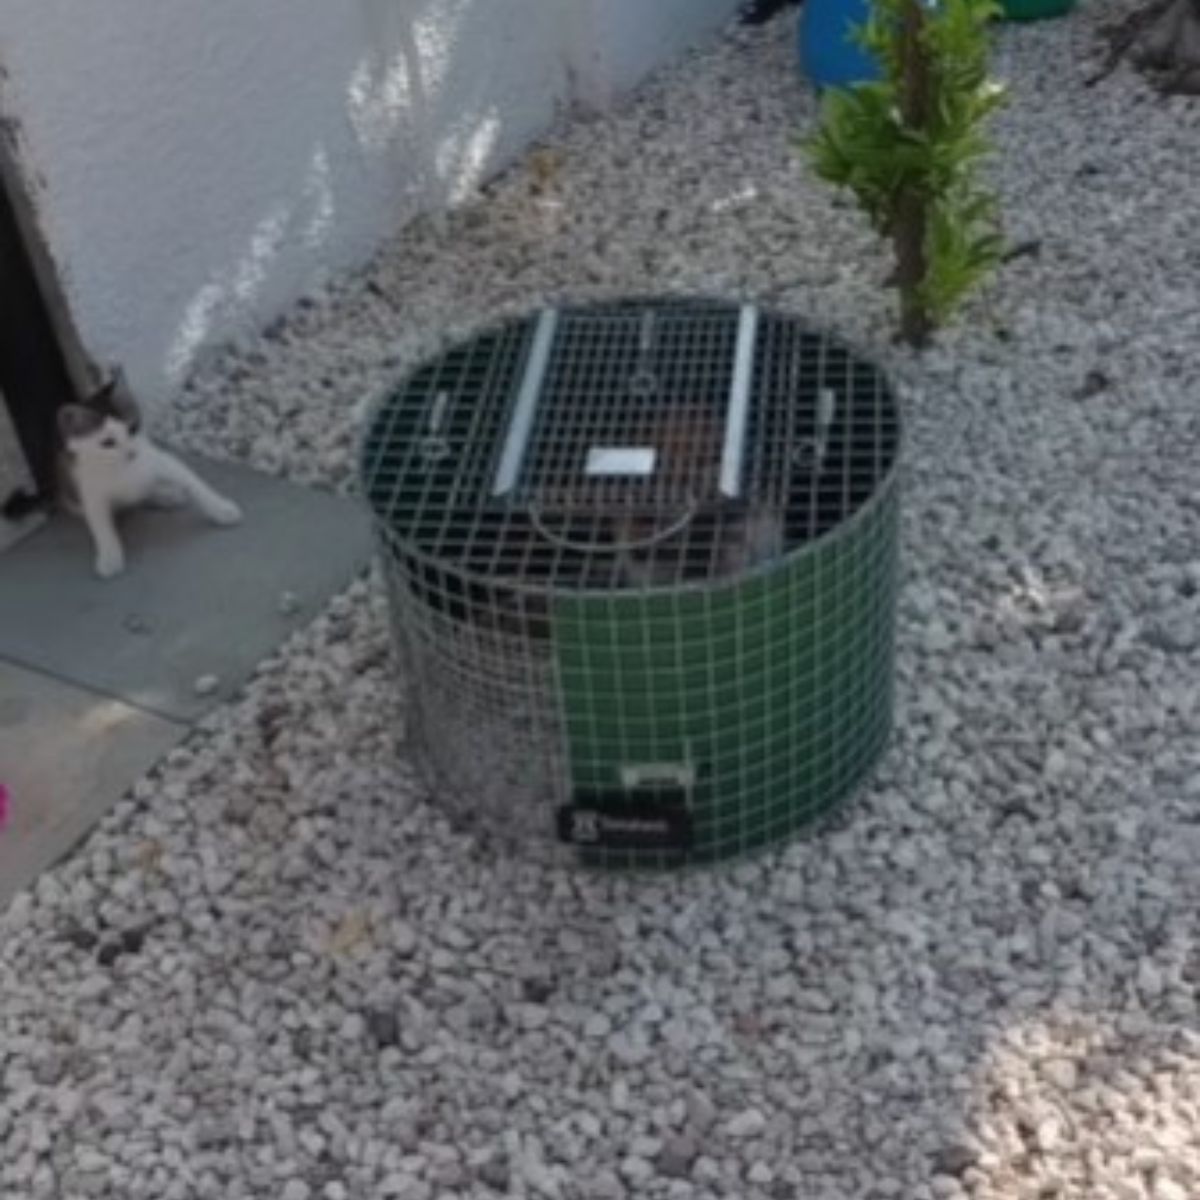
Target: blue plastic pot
<point x="828" y="55"/>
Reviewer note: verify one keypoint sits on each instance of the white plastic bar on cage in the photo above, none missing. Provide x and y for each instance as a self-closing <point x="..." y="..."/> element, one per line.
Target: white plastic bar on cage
<point x="826" y="408"/>
<point x="738" y="413"/>
<point x="520" y="426"/>
<point x="620" y="460"/>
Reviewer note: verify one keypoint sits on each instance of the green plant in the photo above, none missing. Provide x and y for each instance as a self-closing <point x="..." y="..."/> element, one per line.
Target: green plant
<point x="907" y="146"/>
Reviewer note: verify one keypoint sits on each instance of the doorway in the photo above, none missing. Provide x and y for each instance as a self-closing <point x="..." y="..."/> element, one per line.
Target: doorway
<point x="41" y="363"/>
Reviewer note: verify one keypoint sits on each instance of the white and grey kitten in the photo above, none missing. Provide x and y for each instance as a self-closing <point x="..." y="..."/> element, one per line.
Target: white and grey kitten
<point x="106" y="463"/>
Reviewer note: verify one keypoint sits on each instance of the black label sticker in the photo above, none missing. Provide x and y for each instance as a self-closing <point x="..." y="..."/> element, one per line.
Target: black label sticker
<point x="639" y="819"/>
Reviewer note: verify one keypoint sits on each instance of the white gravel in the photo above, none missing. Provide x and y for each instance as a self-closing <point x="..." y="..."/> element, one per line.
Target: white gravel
<point x="276" y="971"/>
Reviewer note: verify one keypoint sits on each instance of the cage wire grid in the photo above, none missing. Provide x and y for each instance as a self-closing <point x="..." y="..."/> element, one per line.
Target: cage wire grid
<point x="641" y="563"/>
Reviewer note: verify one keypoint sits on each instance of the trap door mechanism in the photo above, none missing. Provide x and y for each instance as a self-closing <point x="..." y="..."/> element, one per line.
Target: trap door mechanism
<point x="559" y="441"/>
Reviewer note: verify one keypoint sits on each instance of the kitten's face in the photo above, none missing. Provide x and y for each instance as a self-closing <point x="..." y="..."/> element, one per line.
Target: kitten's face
<point x="104" y="427"/>
<point x="110" y="440"/>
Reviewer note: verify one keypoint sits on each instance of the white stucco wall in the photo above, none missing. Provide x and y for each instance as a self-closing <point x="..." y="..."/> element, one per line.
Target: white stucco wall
<point x="197" y="165"/>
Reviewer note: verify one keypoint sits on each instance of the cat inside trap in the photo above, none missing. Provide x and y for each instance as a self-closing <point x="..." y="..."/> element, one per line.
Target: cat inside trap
<point x="105" y="464"/>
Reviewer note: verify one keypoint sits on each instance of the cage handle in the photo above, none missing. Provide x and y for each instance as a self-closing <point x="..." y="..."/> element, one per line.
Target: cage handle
<point x="677" y="526"/>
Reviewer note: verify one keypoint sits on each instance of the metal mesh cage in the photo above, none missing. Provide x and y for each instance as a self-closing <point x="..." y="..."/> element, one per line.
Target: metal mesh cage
<point x="641" y="561"/>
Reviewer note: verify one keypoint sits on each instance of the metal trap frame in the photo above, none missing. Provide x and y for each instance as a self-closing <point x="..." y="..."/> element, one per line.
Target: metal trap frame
<point x="641" y="561"/>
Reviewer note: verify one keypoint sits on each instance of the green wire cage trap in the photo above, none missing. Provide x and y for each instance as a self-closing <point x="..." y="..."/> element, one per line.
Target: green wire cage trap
<point x="641" y="563"/>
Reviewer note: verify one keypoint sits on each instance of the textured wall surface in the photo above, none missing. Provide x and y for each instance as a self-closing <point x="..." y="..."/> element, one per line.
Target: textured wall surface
<point x="196" y="166"/>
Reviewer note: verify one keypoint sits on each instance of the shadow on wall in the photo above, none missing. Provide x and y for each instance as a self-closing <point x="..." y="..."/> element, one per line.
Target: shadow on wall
<point x="427" y="103"/>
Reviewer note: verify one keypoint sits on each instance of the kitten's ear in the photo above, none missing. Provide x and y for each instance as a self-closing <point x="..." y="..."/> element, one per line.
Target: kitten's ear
<point x="76" y="421"/>
<point x="124" y="406"/>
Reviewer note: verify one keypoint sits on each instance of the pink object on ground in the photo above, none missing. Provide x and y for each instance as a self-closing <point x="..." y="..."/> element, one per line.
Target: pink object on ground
<point x="3" y="806"/>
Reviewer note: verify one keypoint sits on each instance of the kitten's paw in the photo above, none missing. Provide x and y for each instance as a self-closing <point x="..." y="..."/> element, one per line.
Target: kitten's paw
<point x="109" y="563"/>
<point x="224" y="512"/>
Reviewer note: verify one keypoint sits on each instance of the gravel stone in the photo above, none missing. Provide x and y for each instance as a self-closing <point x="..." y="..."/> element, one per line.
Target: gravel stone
<point x="637" y="1171"/>
<point x="598" y="1027"/>
<point x="383" y="1026"/>
<point x="1168" y="1189"/>
<point x="405" y="1187"/>
<point x="494" y="1174"/>
<point x="404" y="939"/>
<point x="748" y="1124"/>
<point x="953" y="1160"/>
<point x="676" y="1156"/>
<point x="605" y="1186"/>
<point x="1061" y="1073"/>
<point x="701" y="1112"/>
<point x="353" y="1027"/>
<point x="760" y="1174"/>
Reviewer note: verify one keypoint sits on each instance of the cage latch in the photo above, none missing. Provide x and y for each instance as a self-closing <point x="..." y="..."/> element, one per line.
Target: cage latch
<point x="644" y="382"/>
<point x="809" y="454"/>
<point x="433" y="447"/>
